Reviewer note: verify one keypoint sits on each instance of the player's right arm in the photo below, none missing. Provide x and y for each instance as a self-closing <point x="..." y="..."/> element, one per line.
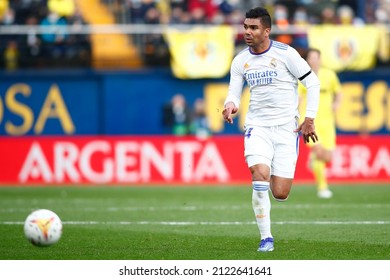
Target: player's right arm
<point x="229" y="110"/>
<point x="232" y="101"/>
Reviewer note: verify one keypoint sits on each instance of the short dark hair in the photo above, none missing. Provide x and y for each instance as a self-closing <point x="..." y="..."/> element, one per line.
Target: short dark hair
<point x="309" y="50"/>
<point x="262" y="13"/>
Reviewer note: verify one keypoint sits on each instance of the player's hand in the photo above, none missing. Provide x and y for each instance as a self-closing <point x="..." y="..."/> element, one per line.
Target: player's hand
<point x="307" y="129"/>
<point x="230" y="109"/>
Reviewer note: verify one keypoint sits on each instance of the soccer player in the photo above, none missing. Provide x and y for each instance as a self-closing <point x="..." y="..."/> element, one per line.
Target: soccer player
<point x="271" y="70"/>
<point x="321" y="151"/>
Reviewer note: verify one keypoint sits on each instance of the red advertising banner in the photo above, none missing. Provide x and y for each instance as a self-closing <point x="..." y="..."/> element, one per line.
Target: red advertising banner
<point x="356" y="159"/>
<point x="170" y="160"/>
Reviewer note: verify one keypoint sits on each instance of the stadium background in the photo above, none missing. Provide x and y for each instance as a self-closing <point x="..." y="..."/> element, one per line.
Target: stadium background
<point x="87" y="107"/>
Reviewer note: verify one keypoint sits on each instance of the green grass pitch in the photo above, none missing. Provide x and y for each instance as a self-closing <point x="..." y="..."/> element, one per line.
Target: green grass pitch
<point x="197" y="223"/>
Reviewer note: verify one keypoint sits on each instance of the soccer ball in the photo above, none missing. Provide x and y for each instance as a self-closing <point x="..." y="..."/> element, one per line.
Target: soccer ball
<point x="43" y="227"/>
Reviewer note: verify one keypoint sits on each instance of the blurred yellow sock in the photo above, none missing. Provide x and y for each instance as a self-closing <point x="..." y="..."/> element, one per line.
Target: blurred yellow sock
<point x="319" y="170"/>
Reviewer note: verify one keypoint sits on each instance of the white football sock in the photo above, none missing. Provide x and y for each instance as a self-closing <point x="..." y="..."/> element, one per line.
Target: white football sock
<point x="262" y="207"/>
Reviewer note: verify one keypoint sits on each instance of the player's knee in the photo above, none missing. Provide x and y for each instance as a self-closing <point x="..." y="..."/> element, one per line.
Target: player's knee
<point x="280" y="196"/>
<point x="280" y="190"/>
<point x="259" y="174"/>
<point x="260" y="178"/>
<point x="281" y="199"/>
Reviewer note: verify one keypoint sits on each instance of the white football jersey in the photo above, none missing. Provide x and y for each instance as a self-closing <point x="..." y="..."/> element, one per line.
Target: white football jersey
<point x="272" y="77"/>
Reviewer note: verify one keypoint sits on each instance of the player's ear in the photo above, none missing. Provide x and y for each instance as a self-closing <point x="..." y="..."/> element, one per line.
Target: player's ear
<point x="267" y="31"/>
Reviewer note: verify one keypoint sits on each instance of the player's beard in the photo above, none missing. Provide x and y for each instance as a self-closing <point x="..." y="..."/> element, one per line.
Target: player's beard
<point x="249" y="41"/>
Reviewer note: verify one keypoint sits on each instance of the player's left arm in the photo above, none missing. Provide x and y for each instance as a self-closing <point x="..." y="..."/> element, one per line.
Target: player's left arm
<point x="307" y="127"/>
<point x="302" y="71"/>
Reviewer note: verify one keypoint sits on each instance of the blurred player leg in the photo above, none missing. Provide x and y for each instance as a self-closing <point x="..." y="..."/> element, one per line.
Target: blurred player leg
<point x="320" y="157"/>
<point x="319" y="171"/>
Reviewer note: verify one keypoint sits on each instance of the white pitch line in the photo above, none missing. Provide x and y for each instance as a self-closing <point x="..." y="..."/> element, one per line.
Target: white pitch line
<point x="174" y="223"/>
<point x="202" y="208"/>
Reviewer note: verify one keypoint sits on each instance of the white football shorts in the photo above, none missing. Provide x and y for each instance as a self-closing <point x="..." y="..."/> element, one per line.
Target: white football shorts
<point x="275" y="146"/>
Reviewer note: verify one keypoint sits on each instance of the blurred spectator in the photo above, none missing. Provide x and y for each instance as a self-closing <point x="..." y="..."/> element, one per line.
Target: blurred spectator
<point x="78" y="45"/>
<point x="200" y="125"/>
<point x="64" y="8"/>
<point x="138" y="10"/>
<point x="286" y="13"/>
<point x="54" y="39"/>
<point x="245" y="5"/>
<point x="164" y="8"/>
<point x="226" y="6"/>
<point x="11" y="55"/>
<point x="202" y="11"/>
<point x="320" y="11"/>
<point x="179" y="3"/>
<point x="381" y="21"/>
<point x="281" y="21"/>
<point x="33" y="49"/>
<point x="384" y="11"/>
<point x="152" y="16"/>
<point x="235" y="17"/>
<point x="155" y="51"/>
<point x="346" y="16"/>
<point x="290" y="5"/>
<point x="301" y="22"/>
<point x="32" y="44"/>
<point x="381" y="16"/>
<point x="8" y="17"/>
<point x="328" y="16"/>
<point x="4" y="5"/>
<point x="352" y="4"/>
<point x="8" y="42"/>
<point x="26" y="8"/>
<point x="176" y="116"/>
<point x="198" y="16"/>
<point x="176" y="15"/>
<point x="219" y="18"/>
<point x="227" y="13"/>
<point x="185" y="18"/>
<point x="370" y="7"/>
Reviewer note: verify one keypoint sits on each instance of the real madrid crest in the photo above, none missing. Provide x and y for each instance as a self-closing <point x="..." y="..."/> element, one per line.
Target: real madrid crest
<point x="273" y="63"/>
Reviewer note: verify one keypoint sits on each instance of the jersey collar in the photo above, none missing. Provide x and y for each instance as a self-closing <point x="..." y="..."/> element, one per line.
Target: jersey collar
<point x="270" y="45"/>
